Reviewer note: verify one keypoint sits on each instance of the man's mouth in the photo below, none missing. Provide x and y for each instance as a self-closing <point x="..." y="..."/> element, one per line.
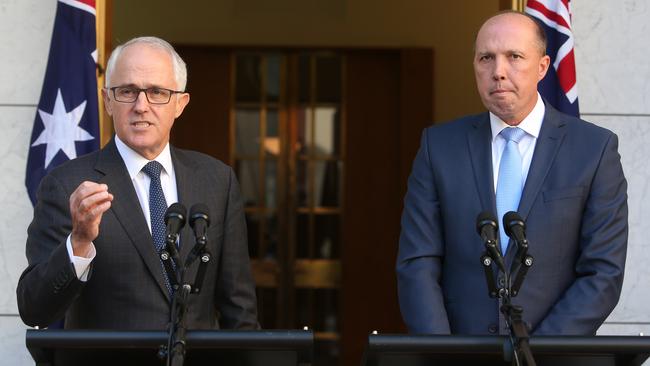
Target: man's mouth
<point x="141" y="124"/>
<point x="499" y="91"/>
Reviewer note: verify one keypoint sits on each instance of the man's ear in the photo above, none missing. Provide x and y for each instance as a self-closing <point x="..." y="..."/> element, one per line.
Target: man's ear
<point x="544" y="64"/>
<point x="181" y="101"/>
<point x="107" y="102"/>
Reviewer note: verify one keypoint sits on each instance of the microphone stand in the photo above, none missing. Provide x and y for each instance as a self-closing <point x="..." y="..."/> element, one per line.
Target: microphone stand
<point x="518" y="331"/>
<point x="176" y="342"/>
<point x="177" y="331"/>
<point x="169" y="257"/>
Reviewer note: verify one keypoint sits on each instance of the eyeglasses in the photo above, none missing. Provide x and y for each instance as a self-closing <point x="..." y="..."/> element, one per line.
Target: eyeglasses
<point x="129" y="94"/>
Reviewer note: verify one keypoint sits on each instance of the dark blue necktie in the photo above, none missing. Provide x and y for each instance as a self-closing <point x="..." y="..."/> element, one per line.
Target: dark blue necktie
<point x="157" y="209"/>
<point x="510" y="182"/>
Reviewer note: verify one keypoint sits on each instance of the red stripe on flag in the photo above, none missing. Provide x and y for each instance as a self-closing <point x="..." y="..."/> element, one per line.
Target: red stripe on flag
<point x="566" y="72"/>
<point x="89" y="3"/>
<point x="566" y="3"/>
<point x="548" y="13"/>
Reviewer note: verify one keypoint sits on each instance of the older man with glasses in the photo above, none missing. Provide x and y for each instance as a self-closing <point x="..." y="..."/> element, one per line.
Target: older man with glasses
<point x="94" y="244"/>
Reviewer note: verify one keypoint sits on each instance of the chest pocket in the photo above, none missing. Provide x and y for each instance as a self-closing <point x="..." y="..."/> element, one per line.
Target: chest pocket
<point x="563" y="193"/>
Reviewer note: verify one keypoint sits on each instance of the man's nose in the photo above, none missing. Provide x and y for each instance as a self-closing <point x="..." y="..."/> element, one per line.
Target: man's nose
<point x="141" y="103"/>
<point x="499" y="71"/>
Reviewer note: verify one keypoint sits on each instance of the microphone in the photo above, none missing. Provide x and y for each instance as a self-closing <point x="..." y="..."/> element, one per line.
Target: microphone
<point x="199" y="221"/>
<point x="174" y="220"/>
<point x="487" y="228"/>
<point x="515" y="227"/>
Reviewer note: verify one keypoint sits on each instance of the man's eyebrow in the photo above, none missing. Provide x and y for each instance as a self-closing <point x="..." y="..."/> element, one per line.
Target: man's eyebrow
<point x="131" y="85"/>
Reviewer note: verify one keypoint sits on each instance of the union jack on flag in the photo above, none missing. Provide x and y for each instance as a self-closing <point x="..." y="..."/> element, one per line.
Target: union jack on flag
<point x="559" y="86"/>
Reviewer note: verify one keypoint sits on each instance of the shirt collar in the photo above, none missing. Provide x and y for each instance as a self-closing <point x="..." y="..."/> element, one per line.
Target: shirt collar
<point x="135" y="162"/>
<point x="532" y="124"/>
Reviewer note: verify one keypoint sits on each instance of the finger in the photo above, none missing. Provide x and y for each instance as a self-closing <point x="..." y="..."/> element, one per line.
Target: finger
<point x="88" y="203"/>
<point x="85" y="223"/>
<point x="98" y="211"/>
<point x="86" y="189"/>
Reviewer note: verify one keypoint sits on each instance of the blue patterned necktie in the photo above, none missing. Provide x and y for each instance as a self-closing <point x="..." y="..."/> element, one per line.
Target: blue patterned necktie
<point x="510" y="181"/>
<point x="157" y="209"/>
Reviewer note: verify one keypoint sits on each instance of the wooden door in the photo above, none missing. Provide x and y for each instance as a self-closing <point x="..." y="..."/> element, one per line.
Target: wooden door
<point x="322" y="143"/>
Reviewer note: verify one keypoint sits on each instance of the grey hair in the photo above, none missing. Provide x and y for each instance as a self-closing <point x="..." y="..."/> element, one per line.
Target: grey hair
<point x="179" y="67"/>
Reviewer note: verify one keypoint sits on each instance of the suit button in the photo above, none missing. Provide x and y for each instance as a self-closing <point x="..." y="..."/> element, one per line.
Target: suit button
<point x="492" y="328"/>
<point x="502" y="281"/>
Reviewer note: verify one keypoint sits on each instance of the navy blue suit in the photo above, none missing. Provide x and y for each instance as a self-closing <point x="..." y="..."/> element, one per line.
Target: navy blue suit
<point x="575" y="207"/>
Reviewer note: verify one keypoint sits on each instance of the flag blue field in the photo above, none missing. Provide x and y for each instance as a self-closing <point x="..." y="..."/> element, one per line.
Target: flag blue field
<point x="559" y="87"/>
<point x="67" y="119"/>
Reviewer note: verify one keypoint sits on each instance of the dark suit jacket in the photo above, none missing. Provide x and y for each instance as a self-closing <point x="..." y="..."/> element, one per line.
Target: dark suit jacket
<point x="575" y="207"/>
<point x="126" y="288"/>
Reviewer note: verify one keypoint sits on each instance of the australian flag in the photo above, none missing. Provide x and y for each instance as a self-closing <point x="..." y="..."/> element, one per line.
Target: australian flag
<point x="67" y="119"/>
<point x="559" y="86"/>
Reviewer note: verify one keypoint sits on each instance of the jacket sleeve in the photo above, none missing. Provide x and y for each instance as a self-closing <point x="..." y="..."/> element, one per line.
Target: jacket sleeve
<point x="600" y="263"/>
<point x="421" y="248"/>
<point x="49" y="284"/>
<point x="236" y="298"/>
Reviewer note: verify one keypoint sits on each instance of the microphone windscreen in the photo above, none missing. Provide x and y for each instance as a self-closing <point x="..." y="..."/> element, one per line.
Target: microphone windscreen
<point x="199" y="211"/>
<point x="176" y="210"/>
<point x="511" y="219"/>
<point x="485" y="218"/>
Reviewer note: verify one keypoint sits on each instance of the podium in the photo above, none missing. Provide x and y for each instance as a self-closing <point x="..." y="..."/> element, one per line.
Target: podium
<point x="100" y="347"/>
<point x="421" y="350"/>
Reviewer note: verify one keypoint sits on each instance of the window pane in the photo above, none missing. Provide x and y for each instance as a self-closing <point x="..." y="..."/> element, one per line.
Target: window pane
<point x="327" y="183"/>
<point x="253" y="226"/>
<point x="304" y="115"/>
<point x="327" y="131"/>
<point x="302" y="236"/>
<point x="267" y="307"/>
<point x="326" y="305"/>
<point x="328" y="79"/>
<point x="247" y="133"/>
<point x="327" y="236"/>
<point x="302" y="183"/>
<point x="323" y="302"/>
<point x="304" y="78"/>
<point x="271" y="236"/>
<point x="273" y="77"/>
<point x="272" y="139"/>
<point x="248" y="79"/>
<point x="271" y="183"/>
<point x="304" y="307"/>
<point x="272" y="124"/>
<point x="248" y="173"/>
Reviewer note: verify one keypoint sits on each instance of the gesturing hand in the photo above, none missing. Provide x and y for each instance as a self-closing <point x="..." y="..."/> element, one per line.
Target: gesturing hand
<point x="87" y="205"/>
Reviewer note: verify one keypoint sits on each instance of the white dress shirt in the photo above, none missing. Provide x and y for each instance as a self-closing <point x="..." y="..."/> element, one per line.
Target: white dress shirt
<point x="134" y="163"/>
<point x="531" y="124"/>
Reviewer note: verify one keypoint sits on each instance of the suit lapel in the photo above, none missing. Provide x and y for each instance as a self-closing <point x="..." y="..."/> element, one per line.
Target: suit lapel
<point x="127" y="209"/>
<point x="480" y="148"/>
<point x="546" y="148"/>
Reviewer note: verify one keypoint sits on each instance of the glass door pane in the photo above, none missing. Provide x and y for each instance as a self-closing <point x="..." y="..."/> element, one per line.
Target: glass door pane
<point x="288" y="155"/>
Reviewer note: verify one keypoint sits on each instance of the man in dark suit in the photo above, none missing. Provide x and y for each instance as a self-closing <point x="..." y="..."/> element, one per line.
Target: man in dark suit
<point x="571" y="192"/>
<point x="92" y="247"/>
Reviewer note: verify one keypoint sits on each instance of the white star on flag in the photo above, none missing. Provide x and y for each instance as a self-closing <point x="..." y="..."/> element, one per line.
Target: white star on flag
<point x="61" y="130"/>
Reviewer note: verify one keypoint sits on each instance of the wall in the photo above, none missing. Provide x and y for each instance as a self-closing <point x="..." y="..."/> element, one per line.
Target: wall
<point x="25" y="29"/>
<point x="613" y="76"/>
